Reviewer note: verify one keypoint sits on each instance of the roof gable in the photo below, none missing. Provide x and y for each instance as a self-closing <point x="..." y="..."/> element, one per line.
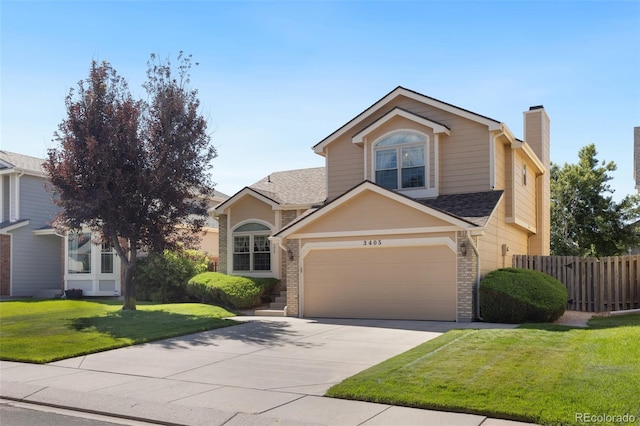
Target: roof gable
<point x="400" y="112"/>
<point x="401" y="91"/>
<point x="246" y="191"/>
<point x="432" y="217"/>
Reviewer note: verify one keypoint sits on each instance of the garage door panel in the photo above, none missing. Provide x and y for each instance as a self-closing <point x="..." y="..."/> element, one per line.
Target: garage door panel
<point x="398" y="282"/>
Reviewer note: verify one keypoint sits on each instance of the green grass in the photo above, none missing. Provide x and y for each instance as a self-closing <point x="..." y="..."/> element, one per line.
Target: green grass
<point x="538" y="373"/>
<point x="45" y="331"/>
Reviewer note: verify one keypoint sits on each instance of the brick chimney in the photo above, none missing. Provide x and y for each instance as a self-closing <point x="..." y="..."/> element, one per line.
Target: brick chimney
<point x="537" y="136"/>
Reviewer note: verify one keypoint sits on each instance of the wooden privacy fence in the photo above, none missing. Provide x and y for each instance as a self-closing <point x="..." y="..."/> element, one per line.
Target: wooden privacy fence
<point x="594" y="284"/>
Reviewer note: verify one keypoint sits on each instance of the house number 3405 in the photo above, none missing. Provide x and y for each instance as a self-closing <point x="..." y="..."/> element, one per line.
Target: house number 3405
<point x="372" y="242"/>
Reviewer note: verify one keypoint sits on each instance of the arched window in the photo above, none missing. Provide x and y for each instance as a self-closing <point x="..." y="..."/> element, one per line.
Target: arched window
<point x="251" y="248"/>
<point x="400" y="160"/>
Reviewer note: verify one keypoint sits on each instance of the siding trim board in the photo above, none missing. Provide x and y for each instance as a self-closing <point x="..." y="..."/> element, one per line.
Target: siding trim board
<point x="398" y="231"/>
<point x="246" y="191"/>
<point x="13" y="226"/>
<point x="357" y="244"/>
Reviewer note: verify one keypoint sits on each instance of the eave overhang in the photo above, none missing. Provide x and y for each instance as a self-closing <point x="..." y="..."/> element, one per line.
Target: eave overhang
<point x="401" y="91"/>
<point x="294" y="227"/>
<point x="525" y="147"/>
<point x="246" y="191"/>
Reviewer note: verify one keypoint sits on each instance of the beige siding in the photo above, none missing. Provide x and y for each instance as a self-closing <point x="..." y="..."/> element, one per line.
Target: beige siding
<point x="345" y="167"/>
<point x="464" y="159"/>
<point x="509" y="197"/>
<point x="502" y="155"/>
<point x="368" y="211"/>
<point x="417" y="283"/>
<point x="498" y="233"/>
<point x="463" y="156"/>
<point x="249" y="207"/>
<point x="209" y="243"/>
<point x="525" y="193"/>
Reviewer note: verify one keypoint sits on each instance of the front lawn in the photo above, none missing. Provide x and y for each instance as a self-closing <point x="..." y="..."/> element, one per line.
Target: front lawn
<point x="45" y="331"/>
<point x="538" y="373"/>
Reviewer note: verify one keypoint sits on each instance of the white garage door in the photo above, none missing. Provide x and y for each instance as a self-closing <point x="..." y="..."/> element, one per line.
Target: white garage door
<point x="392" y="283"/>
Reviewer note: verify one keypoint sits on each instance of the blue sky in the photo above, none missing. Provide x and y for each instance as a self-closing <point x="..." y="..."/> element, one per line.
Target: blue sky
<point x="277" y="77"/>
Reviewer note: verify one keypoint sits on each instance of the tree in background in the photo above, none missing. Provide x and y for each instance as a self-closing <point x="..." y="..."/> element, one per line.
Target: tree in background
<point x="132" y="170"/>
<point x="585" y="220"/>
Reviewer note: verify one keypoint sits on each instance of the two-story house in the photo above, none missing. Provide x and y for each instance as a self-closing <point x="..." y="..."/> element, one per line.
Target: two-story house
<point x="30" y="251"/>
<point x="417" y="201"/>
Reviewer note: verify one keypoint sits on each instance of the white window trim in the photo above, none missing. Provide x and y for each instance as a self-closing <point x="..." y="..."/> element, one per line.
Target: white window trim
<point x="431" y="188"/>
<point x="14" y="196"/>
<point x="274" y="258"/>
<point x="95" y="276"/>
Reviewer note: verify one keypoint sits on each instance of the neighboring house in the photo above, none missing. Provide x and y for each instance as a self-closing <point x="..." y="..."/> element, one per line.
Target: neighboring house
<point x="30" y="252"/>
<point x="418" y="200"/>
<point x="209" y="241"/>
<point x="37" y="262"/>
<point x="96" y="269"/>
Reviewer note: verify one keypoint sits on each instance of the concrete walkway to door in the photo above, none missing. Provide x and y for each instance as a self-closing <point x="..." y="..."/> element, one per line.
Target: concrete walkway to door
<point x="265" y="371"/>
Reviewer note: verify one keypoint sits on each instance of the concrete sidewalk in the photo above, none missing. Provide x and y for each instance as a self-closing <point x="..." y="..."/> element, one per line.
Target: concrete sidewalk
<point x="266" y="371"/>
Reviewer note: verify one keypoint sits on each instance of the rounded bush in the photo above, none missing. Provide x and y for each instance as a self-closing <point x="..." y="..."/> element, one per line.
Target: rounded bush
<point x="514" y="296"/>
<point x="228" y="290"/>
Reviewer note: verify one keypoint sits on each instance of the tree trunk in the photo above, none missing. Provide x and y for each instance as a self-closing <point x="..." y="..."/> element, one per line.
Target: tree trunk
<point x="129" y="287"/>
<point x="128" y="259"/>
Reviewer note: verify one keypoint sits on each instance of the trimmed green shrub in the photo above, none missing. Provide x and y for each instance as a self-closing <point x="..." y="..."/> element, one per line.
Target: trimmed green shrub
<point x="162" y="277"/>
<point x="228" y="290"/>
<point x="516" y="296"/>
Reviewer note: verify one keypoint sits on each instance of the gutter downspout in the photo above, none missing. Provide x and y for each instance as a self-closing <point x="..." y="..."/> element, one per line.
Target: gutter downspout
<point x="475" y="250"/>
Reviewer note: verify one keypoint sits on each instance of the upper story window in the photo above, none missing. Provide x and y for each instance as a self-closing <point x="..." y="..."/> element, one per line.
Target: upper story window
<point x="251" y="248"/>
<point x="400" y="160"/>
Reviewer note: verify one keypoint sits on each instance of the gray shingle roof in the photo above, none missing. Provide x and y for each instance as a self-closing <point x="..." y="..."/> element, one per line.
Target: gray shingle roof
<point x="475" y="207"/>
<point x="22" y="162"/>
<point x="296" y="187"/>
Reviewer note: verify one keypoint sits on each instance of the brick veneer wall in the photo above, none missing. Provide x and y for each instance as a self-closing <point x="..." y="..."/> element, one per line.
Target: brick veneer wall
<point x="293" y="279"/>
<point x="288" y="216"/>
<point x="222" y="253"/>
<point x="467" y="273"/>
<point x="5" y="265"/>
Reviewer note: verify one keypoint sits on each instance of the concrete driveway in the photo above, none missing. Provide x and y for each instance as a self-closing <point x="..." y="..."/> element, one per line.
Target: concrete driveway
<point x="264" y="371"/>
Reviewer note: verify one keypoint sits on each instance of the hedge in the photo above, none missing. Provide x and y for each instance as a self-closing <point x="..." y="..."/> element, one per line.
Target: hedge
<point x="229" y="290"/>
<point x="162" y="277"/>
<point x="514" y="296"/>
